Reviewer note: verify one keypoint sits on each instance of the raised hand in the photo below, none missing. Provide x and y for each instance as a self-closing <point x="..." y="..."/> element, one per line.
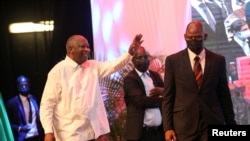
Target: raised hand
<point x="137" y="41"/>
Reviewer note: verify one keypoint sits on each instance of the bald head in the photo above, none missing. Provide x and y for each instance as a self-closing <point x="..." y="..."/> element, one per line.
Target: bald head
<point x="74" y="40"/>
<point x="23" y="85"/>
<point x="195" y="36"/>
<point x="195" y="27"/>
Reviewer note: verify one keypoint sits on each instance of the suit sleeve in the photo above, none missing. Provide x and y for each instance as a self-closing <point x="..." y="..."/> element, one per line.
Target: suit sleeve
<point x="135" y="94"/>
<point x="168" y="96"/>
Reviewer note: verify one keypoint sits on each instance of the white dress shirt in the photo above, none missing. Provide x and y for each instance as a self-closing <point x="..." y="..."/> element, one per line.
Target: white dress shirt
<point x="152" y="116"/>
<point x="72" y="106"/>
<point x="33" y="131"/>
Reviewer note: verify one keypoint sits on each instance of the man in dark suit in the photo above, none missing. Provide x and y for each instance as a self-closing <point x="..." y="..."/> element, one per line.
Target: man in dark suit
<point x="189" y="107"/>
<point x="23" y="112"/>
<point x="143" y="96"/>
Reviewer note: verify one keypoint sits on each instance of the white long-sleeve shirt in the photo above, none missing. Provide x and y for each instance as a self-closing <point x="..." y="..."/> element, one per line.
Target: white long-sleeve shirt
<point x="72" y="106"/>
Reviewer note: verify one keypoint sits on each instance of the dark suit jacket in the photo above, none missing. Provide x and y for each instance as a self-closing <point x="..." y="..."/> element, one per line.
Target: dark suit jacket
<point x="137" y="101"/>
<point x="183" y="102"/>
<point x="17" y="118"/>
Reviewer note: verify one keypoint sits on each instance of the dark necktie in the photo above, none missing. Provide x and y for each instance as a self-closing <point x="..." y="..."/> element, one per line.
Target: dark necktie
<point x="209" y="16"/>
<point x="30" y="110"/>
<point x="197" y="71"/>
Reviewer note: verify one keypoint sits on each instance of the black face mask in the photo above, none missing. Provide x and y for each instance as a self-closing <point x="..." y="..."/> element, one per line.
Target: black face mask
<point x="195" y="45"/>
<point x="142" y="66"/>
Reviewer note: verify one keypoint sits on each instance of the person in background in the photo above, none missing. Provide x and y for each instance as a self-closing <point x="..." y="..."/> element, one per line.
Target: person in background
<point x="196" y="95"/>
<point x="143" y="97"/>
<point x="72" y="107"/>
<point x="23" y="113"/>
<point x="241" y="34"/>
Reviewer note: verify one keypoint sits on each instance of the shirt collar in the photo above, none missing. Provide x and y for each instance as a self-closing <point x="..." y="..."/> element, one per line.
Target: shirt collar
<point x="141" y="73"/>
<point x="74" y="64"/>
<point x="192" y="55"/>
<point x="23" y="98"/>
<point x="71" y="62"/>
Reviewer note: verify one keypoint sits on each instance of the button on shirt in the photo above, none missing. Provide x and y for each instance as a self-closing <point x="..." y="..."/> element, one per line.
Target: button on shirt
<point x="72" y="106"/>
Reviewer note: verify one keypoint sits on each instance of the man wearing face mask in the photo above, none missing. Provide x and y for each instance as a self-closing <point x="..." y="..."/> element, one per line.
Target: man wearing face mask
<point x="143" y="96"/>
<point x="23" y="112"/>
<point x="241" y="33"/>
<point x="196" y="92"/>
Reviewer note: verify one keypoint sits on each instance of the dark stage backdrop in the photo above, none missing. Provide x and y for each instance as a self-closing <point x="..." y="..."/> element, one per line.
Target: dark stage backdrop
<point x="34" y="54"/>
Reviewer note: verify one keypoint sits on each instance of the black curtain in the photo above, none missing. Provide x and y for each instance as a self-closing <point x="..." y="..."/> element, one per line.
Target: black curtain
<point x="71" y="17"/>
<point x="34" y="54"/>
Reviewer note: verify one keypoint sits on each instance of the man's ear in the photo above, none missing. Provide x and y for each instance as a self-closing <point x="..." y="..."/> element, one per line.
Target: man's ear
<point x="205" y="36"/>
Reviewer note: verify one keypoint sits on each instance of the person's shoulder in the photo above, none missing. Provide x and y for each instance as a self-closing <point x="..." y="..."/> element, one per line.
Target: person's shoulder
<point x="32" y="96"/>
<point x="62" y="65"/>
<point x="58" y="65"/>
<point x="130" y="74"/>
<point x="214" y="54"/>
<point x="12" y="99"/>
<point x="152" y="71"/>
<point x="178" y="54"/>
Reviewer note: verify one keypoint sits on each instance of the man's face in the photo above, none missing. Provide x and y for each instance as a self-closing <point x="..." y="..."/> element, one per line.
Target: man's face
<point x="194" y="38"/>
<point x="141" y="60"/>
<point x="23" y="86"/>
<point x="81" y="51"/>
<point x="244" y="32"/>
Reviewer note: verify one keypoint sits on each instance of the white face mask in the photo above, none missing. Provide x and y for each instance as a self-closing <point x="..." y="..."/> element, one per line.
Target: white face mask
<point x="244" y="34"/>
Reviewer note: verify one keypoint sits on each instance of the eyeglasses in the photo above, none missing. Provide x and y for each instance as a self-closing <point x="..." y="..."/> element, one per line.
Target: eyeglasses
<point x="199" y="37"/>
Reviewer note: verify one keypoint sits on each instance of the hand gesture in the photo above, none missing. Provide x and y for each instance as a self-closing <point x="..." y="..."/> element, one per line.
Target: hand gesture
<point x="170" y="135"/>
<point x="103" y="138"/>
<point x="137" y="41"/>
<point x="49" y="137"/>
<point x="156" y="92"/>
<point x="25" y="128"/>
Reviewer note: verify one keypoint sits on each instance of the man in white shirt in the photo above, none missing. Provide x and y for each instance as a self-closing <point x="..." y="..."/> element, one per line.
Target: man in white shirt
<point x="72" y="108"/>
